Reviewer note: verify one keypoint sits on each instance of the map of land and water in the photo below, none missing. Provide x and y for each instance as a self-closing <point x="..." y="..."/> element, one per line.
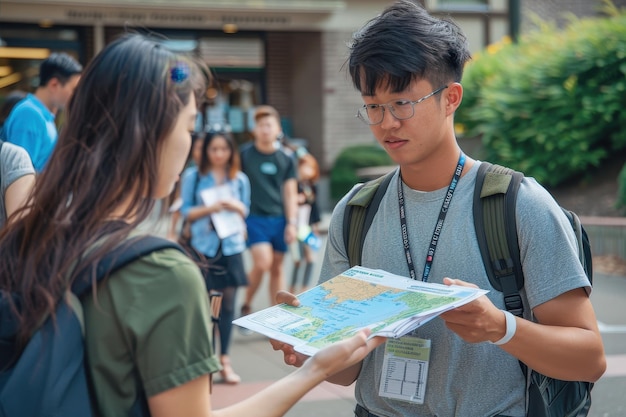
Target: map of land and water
<point x="388" y="304"/>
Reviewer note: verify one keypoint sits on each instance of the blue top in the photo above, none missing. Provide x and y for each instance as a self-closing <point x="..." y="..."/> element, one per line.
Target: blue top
<point x="203" y="235"/>
<point x="31" y="126"/>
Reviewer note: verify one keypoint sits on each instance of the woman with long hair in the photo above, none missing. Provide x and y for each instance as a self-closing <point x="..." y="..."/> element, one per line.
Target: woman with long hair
<point x="148" y="325"/>
<point x="215" y="187"/>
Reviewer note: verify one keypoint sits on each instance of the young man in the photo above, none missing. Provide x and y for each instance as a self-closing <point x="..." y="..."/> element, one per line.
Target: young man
<point x="274" y="205"/>
<point x="31" y="122"/>
<point x="408" y="67"/>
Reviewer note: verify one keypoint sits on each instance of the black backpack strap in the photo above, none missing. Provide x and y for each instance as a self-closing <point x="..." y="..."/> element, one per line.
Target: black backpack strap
<point x="127" y="252"/>
<point x="195" y="185"/>
<point x="495" y="196"/>
<point x="359" y="214"/>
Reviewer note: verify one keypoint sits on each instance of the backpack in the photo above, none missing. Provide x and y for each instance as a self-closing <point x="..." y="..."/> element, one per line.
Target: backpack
<point x="495" y="196"/>
<point x="49" y="378"/>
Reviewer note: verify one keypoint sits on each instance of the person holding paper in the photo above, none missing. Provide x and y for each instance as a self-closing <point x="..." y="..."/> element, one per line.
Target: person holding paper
<point x="407" y="65"/>
<point x="148" y="347"/>
<point x="216" y="198"/>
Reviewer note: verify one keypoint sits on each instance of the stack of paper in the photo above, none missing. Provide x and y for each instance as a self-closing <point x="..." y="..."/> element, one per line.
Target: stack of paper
<point x="225" y="222"/>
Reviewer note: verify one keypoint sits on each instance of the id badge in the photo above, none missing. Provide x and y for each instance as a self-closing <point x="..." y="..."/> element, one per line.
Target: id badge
<point x="405" y="369"/>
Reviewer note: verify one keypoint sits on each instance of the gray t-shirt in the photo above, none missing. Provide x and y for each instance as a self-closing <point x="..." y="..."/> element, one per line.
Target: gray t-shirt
<point x="14" y="164"/>
<point x="464" y="379"/>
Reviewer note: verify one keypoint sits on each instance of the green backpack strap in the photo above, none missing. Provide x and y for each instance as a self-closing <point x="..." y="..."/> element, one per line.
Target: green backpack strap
<point x="495" y="195"/>
<point x="359" y="213"/>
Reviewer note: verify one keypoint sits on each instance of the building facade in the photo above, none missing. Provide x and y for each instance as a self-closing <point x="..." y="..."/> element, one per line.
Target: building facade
<point x="287" y="53"/>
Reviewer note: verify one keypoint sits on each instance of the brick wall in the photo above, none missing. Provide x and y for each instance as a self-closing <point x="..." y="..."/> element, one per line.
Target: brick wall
<point x="278" y="71"/>
<point x="341" y="100"/>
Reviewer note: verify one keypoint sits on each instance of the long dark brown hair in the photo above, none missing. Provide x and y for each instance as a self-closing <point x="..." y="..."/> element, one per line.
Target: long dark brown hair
<point x="233" y="165"/>
<point x="126" y="103"/>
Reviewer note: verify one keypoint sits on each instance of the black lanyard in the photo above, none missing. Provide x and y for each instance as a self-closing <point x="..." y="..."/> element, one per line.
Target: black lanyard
<point x="437" y="232"/>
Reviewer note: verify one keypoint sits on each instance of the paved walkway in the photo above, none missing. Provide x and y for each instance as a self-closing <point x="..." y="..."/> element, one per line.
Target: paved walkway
<point x="258" y="365"/>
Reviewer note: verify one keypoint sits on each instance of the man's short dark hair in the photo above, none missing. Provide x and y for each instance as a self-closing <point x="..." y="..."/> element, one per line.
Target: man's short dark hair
<point x="58" y="65"/>
<point x="403" y="44"/>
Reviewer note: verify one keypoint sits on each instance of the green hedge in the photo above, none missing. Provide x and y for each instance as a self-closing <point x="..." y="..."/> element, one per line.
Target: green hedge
<point x="343" y="175"/>
<point x="554" y="104"/>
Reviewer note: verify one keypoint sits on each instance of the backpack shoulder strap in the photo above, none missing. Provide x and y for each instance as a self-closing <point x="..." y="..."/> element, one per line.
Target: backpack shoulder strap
<point x="584" y="246"/>
<point x="127" y="252"/>
<point x="196" y="181"/>
<point x="495" y="196"/>
<point x="359" y="213"/>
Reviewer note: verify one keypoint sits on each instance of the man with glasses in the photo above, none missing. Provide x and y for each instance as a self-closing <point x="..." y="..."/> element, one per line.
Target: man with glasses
<point x="408" y="67"/>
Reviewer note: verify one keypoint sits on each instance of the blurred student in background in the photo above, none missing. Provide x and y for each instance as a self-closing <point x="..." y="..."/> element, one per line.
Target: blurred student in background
<point x="274" y="206"/>
<point x="128" y="138"/>
<point x="17" y="175"/>
<point x="31" y="122"/>
<point x="213" y="188"/>
<point x="177" y="232"/>
<point x="304" y="249"/>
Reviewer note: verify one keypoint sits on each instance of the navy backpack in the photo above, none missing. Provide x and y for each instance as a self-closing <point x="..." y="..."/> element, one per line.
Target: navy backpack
<point x="49" y="378"/>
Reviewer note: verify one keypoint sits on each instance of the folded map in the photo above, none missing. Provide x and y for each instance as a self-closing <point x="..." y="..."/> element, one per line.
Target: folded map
<point x="390" y="305"/>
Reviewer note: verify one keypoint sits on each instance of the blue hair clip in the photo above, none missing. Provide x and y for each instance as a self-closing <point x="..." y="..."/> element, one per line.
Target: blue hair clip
<point x="179" y="72"/>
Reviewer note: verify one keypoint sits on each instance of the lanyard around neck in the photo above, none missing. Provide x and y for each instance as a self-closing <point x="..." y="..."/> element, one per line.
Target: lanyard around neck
<point x="437" y="232"/>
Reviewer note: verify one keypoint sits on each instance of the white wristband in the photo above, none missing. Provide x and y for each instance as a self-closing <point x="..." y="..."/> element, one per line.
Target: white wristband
<point x="511" y="327"/>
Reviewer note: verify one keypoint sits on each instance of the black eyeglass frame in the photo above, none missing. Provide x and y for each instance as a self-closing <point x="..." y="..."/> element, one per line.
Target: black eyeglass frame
<point x="365" y="119"/>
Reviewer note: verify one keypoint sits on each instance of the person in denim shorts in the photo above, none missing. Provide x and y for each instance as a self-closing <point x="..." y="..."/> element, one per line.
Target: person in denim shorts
<point x="273" y="203"/>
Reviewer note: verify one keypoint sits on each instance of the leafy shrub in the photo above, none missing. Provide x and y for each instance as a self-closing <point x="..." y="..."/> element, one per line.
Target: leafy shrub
<point x="554" y="104"/>
<point x="343" y="175"/>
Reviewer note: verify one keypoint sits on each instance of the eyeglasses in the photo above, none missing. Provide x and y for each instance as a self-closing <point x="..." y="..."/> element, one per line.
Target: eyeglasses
<point x="372" y="114"/>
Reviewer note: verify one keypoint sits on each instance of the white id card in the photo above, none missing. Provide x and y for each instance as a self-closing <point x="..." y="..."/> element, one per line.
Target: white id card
<point x="405" y="369"/>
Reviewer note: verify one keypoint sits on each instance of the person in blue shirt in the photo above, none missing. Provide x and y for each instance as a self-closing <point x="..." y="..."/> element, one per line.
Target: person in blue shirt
<point x="217" y="186"/>
<point x="31" y="122"/>
<point x="148" y="326"/>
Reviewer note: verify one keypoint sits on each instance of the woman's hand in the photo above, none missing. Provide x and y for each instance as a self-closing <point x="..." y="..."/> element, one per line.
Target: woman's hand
<point x="235" y="205"/>
<point x="341" y="355"/>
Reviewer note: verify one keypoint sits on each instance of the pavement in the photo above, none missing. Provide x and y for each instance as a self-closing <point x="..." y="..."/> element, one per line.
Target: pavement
<point x="259" y="365"/>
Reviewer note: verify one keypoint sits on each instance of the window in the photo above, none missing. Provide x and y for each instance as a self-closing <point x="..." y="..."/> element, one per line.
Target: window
<point x="462" y="5"/>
